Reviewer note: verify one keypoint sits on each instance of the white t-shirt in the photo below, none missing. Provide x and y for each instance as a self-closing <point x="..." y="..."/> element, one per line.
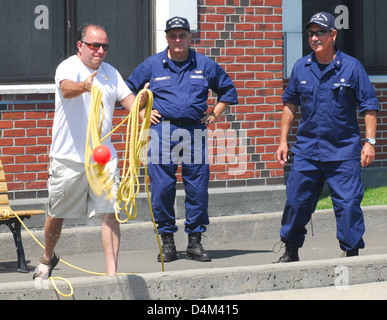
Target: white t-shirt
<point x="71" y="115"/>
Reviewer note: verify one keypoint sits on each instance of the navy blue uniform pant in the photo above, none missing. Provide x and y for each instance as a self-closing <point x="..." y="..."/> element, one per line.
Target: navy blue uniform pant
<point x="304" y="186"/>
<point x="171" y="146"/>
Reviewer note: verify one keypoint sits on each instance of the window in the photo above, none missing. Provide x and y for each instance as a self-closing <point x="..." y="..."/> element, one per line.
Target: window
<point x="29" y="53"/>
<point x="42" y="33"/>
<point x="374" y="45"/>
<point x="361" y="35"/>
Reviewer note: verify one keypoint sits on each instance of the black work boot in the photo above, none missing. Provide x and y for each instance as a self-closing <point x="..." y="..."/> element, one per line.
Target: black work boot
<point x="195" y="249"/>
<point x="291" y="253"/>
<point x="168" y="248"/>
<point x="352" y="252"/>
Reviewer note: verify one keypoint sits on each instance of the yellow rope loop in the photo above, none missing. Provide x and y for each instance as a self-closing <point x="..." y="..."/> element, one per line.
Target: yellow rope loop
<point x="129" y="187"/>
<point x="5" y="213"/>
<point x="60" y="292"/>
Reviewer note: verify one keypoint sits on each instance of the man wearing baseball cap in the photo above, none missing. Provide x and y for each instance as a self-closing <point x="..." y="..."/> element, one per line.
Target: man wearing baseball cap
<point x="323" y="19"/>
<point x="331" y="87"/>
<point x="177" y="23"/>
<point x="180" y="79"/>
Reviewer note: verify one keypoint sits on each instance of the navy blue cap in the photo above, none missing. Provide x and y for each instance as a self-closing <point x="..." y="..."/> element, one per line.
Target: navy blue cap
<point x="323" y="19"/>
<point x="177" y="23"/>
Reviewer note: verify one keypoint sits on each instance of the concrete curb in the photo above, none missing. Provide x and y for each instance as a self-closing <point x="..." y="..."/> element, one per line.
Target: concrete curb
<point x="207" y="283"/>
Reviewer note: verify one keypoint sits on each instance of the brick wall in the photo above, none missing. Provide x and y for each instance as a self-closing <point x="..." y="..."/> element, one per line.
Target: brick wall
<point x="25" y="124"/>
<point x="381" y="135"/>
<point x="245" y="38"/>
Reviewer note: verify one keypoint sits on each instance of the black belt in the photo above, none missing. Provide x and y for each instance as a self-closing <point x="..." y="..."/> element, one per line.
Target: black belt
<point x="183" y="122"/>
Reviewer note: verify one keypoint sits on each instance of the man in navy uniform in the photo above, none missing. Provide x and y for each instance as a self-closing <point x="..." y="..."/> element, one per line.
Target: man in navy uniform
<point x="329" y="86"/>
<point x="180" y="79"/>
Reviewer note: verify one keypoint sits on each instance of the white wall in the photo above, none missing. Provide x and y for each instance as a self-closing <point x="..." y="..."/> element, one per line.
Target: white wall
<point x="166" y="9"/>
<point x="292" y="28"/>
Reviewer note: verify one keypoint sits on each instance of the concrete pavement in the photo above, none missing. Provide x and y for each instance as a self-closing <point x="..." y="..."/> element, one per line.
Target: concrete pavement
<point x="243" y="250"/>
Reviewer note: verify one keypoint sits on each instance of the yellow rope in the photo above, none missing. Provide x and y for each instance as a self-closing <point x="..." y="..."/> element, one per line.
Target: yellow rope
<point x="130" y="184"/>
<point x="96" y="174"/>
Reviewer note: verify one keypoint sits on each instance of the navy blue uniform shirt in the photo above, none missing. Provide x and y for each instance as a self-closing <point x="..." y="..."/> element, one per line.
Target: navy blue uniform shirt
<point x="182" y="93"/>
<point x="329" y="101"/>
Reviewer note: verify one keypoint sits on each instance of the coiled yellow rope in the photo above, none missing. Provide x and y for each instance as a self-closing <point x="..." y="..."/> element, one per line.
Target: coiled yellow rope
<point x="96" y="174"/>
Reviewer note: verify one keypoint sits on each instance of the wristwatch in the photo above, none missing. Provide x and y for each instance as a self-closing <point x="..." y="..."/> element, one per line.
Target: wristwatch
<point x="371" y="141"/>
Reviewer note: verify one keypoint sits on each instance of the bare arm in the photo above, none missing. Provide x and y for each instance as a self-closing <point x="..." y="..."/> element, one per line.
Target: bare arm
<point x="71" y="89"/>
<point x="368" y="152"/>
<point x="286" y="123"/>
<point x="215" y="113"/>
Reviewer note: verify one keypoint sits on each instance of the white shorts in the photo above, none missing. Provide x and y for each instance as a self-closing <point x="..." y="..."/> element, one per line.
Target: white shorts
<point x="71" y="197"/>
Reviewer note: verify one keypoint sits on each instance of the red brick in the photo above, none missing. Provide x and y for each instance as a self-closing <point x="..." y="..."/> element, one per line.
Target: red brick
<point x="35" y="115"/>
<point x="25" y="177"/>
<point x="6" y="124"/>
<point x="36" y="132"/>
<point x="273" y="3"/>
<point x="25" y="124"/>
<point x="6" y="142"/>
<point x="254" y="84"/>
<point x="25" y="141"/>
<point x="14" y="133"/>
<point x="12" y="115"/>
<point x="214" y="2"/>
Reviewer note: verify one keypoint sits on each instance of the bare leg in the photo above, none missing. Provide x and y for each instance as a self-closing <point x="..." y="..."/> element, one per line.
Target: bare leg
<point x="52" y="232"/>
<point x="111" y="242"/>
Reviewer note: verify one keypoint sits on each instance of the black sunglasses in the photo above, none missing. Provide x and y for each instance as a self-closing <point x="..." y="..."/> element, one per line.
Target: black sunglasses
<point x="318" y="33"/>
<point x="173" y="36"/>
<point x="95" y="46"/>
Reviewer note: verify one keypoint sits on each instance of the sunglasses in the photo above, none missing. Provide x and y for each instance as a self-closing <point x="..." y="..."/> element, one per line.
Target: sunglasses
<point x="318" y="33"/>
<point x="175" y="36"/>
<point x="95" y="46"/>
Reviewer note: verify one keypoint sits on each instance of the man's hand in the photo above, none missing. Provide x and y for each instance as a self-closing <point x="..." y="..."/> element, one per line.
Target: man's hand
<point x="144" y="95"/>
<point x="208" y="118"/>
<point x="367" y="154"/>
<point x="211" y="117"/>
<point x="155" y="116"/>
<point x="71" y="89"/>
<point x="89" y="81"/>
<point x="282" y="153"/>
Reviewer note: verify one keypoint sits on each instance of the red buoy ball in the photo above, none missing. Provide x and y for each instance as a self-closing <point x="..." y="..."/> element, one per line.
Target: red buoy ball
<point x="101" y="154"/>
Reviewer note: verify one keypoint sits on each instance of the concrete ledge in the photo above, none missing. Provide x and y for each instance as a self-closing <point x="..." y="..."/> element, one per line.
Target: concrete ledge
<point x="207" y="283"/>
<point x="141" y="235"/>
<point x="27" y="89"/>
<point x="222" y="202"/>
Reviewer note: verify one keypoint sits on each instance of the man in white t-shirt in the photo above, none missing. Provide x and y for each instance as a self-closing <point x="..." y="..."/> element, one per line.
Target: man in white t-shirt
<point x="69" y="193"/>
